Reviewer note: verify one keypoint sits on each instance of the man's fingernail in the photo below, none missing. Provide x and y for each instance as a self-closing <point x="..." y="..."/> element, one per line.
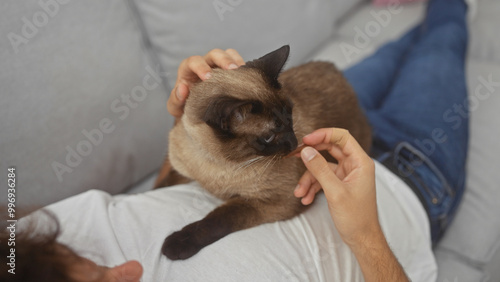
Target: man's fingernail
<point x="308" y="153"/>
<point x="296" y="187"/>
<point x="178" y="94"/>
<point x="208" y="75"/>
<point x="232" y="66"/>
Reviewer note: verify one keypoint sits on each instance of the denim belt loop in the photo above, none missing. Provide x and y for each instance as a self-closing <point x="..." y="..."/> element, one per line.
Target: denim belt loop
<point x="406" y="149"/>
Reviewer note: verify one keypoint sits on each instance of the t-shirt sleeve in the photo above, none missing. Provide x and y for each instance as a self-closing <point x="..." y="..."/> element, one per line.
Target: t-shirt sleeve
<point x="86" y="227"/>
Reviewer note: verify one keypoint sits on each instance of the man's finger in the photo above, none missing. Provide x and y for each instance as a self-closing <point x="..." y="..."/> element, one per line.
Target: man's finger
<point x="335" y="136"/>
<point x="131" y="271"/>
<point x="319" y="168"/>
<point x="193" y="64"/>
<point x="177" y="99"/>
<point x="236" y="56"/>
<point x="221" y="59"/>
<point x="311" y="194"/>
<point x="305" y="183"/>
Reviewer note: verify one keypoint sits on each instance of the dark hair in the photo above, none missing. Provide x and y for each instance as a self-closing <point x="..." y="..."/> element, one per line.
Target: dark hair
<point x="38" y="256"/>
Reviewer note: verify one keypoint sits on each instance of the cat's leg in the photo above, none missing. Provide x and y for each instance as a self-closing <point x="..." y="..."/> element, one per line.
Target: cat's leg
<point x="234" y="215"/>
<point x="168" y="176"/>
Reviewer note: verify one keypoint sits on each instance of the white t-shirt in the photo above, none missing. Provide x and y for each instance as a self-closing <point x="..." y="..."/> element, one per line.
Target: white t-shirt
<point x="113" y="229"/>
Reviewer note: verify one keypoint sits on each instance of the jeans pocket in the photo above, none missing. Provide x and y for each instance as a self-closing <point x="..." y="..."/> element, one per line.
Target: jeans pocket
<point x="423" y="173"/>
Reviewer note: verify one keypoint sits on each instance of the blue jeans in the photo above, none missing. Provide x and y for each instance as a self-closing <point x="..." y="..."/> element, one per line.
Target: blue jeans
<point x="414" y="93"/>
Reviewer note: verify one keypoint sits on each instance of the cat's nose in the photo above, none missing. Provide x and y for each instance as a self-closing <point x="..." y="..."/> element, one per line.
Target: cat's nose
<point x="290" y="142"/>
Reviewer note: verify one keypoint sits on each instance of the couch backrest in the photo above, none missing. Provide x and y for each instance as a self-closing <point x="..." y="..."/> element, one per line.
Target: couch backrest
<point x="179" y="29"/>
<point x="82" y="104"/>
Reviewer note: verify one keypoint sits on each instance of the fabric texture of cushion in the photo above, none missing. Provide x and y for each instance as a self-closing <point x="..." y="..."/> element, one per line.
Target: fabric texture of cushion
<point x="83" y="107"/>
<point x="179" y="29"/>
<point x="392" y="2"/>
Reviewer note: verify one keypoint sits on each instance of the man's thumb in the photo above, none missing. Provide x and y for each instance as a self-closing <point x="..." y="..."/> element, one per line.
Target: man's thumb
<point x="131" y="271"/>
<point x="319" y="167"/>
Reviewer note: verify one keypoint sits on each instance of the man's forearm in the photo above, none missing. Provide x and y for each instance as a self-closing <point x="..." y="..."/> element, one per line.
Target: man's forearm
<point x="377" y="261"/>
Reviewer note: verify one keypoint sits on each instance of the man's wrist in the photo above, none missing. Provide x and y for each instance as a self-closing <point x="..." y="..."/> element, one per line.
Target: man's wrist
<point x="374" y="239"/>
<point x="376" y="259"/>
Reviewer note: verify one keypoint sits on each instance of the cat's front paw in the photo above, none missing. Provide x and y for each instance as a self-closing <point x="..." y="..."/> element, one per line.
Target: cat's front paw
<point x="180" y="245"/>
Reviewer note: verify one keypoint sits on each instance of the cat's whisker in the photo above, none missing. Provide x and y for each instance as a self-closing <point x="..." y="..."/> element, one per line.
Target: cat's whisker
<point x="263" y="170"/>
<point x="245" y="164"/>
<point x="296" y="121"/>
<point x="295" y="124"/>
<point x="275" y="160"/>
<point x="299" y="134"/>
<point x="249" y="163"/>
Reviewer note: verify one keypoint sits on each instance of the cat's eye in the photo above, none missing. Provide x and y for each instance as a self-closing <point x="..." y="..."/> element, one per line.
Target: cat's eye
<point x="268" y="139"/>
<point x="238" y="116"/>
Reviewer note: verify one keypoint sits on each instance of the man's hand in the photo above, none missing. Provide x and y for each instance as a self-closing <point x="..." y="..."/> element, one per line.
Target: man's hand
<point x="196" y="68"/>
<point x="349" y="188"/>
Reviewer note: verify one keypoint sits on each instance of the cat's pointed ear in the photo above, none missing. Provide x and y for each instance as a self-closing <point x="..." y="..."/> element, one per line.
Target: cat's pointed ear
<point x="271" y="64"/>
<point x="219" y="113"/>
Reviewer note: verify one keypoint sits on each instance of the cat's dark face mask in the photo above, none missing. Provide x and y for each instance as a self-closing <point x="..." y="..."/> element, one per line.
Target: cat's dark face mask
<point x="264" y="125"/>
<point x="267" y="130"/>
<point x="279" y="140"/>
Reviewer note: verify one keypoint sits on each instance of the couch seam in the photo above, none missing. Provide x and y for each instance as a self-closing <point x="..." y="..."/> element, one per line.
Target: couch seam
<point x="147" y="44"/>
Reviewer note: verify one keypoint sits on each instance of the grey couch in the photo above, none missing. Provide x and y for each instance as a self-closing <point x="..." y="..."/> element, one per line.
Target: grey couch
<point x="84" y="86"/>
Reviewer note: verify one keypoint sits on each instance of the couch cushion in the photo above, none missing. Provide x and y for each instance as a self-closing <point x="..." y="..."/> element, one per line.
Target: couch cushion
<point x="475" y="232"/>
<point x="364" y="31"/>
<point x="179" y="29"/>
<point x="485" y="43"/>
<point x="82" y="107"/>
<point x="452" y="269"/>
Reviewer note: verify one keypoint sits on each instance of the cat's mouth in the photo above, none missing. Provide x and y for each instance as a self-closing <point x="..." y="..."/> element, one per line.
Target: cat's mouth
<point x="296" y="151"/>
<point x="289" y="143"/>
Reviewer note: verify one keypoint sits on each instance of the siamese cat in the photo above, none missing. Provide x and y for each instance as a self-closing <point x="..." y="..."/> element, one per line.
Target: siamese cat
<point x="236" y="130"/>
